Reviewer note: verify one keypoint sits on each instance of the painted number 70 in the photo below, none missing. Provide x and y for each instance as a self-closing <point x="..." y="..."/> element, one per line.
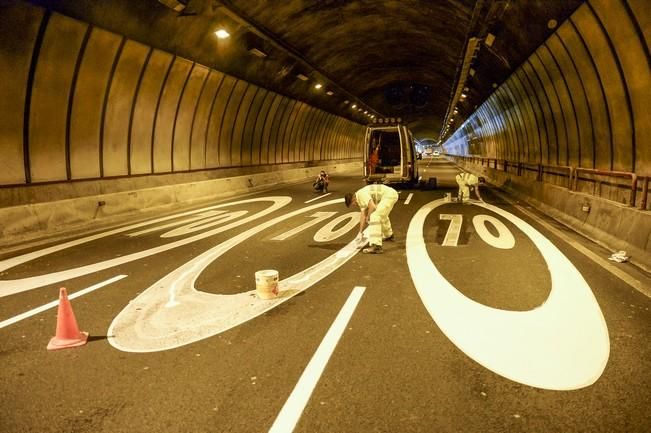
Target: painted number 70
<point x="504" y="239"/>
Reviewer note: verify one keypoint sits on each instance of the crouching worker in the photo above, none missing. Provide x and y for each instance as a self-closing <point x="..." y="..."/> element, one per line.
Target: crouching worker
<point x="375" y="203"/>
<point x="468" y="182"/>
<point x="321" y="182"/>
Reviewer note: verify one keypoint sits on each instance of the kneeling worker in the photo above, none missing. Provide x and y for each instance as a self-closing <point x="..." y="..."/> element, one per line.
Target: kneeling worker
<point x="375" y="203"/>
<point x="466" y="182"/>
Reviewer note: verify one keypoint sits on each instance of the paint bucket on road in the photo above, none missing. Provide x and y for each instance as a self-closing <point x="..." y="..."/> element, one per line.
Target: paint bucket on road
<point x="266" y="284"/>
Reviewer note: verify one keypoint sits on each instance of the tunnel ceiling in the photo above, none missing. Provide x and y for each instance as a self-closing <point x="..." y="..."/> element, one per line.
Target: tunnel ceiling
<point x="394" y="58"/>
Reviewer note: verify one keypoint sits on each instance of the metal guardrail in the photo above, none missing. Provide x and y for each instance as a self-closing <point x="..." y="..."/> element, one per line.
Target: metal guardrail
<point x="572" y="174"/>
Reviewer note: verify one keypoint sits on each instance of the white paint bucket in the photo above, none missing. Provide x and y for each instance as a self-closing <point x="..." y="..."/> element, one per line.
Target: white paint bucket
<point x="266" y="284"/>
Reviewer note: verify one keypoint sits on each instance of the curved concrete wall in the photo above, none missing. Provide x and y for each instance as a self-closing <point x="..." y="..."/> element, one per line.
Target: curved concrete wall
<point x="581" y="99"/>
<point x="78" y="102"/>
<point x="569" y="131"/>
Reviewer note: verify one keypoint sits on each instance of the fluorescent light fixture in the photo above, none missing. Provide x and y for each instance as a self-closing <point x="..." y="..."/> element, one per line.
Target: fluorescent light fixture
<point x="354" y="106"/>
<point x="490" y="38"/>
<point x="222" y="34"/>
<point x="256" y="52"/>
<point x="346" y="101"/>
<point x="301" y="77"/>
<point x="365" y="111"/>
<point x="330" y="93"/>
<point x="318" y="85"/>
<point x="463" y="95"/>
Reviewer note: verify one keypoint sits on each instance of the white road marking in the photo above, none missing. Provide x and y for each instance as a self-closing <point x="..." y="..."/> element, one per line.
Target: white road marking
<point x="561" y="345"/>
<point x="411" y="194"/>
<point x="316" y="219"/>
<point x="454" y="229"/>
<point x="52" y="304"/>
<point x="148" y="324"/>
<point x="318" y="197"/>
<point x="504" y="239"/>
<point x="328" y="233"/>
<point x="604" y="263"/>
<point x="291" y="412"/>
<point x="201" y="216"/>
<point x="10" y="287"/>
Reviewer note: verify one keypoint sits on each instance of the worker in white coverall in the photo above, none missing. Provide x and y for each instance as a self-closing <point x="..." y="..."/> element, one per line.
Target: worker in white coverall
<point x="467" y="182"/>
<point x="375" y="203"/>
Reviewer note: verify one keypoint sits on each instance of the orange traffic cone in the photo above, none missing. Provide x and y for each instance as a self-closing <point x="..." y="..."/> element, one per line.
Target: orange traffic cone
<point x="68" y="334"/>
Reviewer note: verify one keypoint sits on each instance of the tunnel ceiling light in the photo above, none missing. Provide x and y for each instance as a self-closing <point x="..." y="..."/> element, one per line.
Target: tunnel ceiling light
<point x="463" y="96"/>
<point x="174" y="4"/>
<point x="222" y="34"/>
<point x="301" y="77"/>
<point x="330" y="93"/>
<point x="354" y="106"/>
<point x="490" y="38"/>
<point x="346" y="101"/>
<point x="551" y="24"/>
<point x="318" y="85"/>
<point x="258" y="53"/>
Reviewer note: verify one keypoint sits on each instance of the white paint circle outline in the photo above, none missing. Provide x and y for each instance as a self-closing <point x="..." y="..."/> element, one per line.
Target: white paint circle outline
<point x="561" y="345"/>
<point x="173" y="313"/>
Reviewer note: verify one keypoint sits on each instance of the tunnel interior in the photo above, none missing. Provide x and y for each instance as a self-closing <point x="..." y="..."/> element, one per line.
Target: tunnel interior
<point x="122" y="97"/>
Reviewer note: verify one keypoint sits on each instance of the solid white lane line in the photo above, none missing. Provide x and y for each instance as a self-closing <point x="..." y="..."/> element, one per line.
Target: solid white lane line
<point x="52" y="304"/>
<point x="295" y="404"/>
<point x="318" y="198"/>
<point x="411" y="194"/>
<point x="604" y="263"/>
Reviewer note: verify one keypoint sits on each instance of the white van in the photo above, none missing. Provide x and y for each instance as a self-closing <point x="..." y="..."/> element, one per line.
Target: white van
<point x="390" y="155"/>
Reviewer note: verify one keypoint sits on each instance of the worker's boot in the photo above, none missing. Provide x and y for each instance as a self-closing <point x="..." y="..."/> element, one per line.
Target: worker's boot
<point x="373" y="249"/>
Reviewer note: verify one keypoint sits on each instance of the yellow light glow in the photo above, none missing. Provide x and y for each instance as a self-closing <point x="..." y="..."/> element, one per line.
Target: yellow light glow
<point x="354" y="106"/>
<point x="222" y="34"/>
<point x="318" y="86"/>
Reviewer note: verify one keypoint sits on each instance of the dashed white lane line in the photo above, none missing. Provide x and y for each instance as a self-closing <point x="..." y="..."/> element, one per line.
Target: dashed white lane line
<point x="318" y="198"/>
<point x="52" y="304"/>
<point x="604" y="263"/>
<point x="291" y="412"/>
<point x="411" y="194"/>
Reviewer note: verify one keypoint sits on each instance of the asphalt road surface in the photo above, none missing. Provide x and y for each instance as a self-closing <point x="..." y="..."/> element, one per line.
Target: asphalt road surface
<point x="478" y="317"/>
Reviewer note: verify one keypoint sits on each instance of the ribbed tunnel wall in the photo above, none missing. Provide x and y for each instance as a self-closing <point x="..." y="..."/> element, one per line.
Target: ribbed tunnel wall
<point x="78" y="102"/>
<point x="581" y="99"/>
<point x="569" y="130"/>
